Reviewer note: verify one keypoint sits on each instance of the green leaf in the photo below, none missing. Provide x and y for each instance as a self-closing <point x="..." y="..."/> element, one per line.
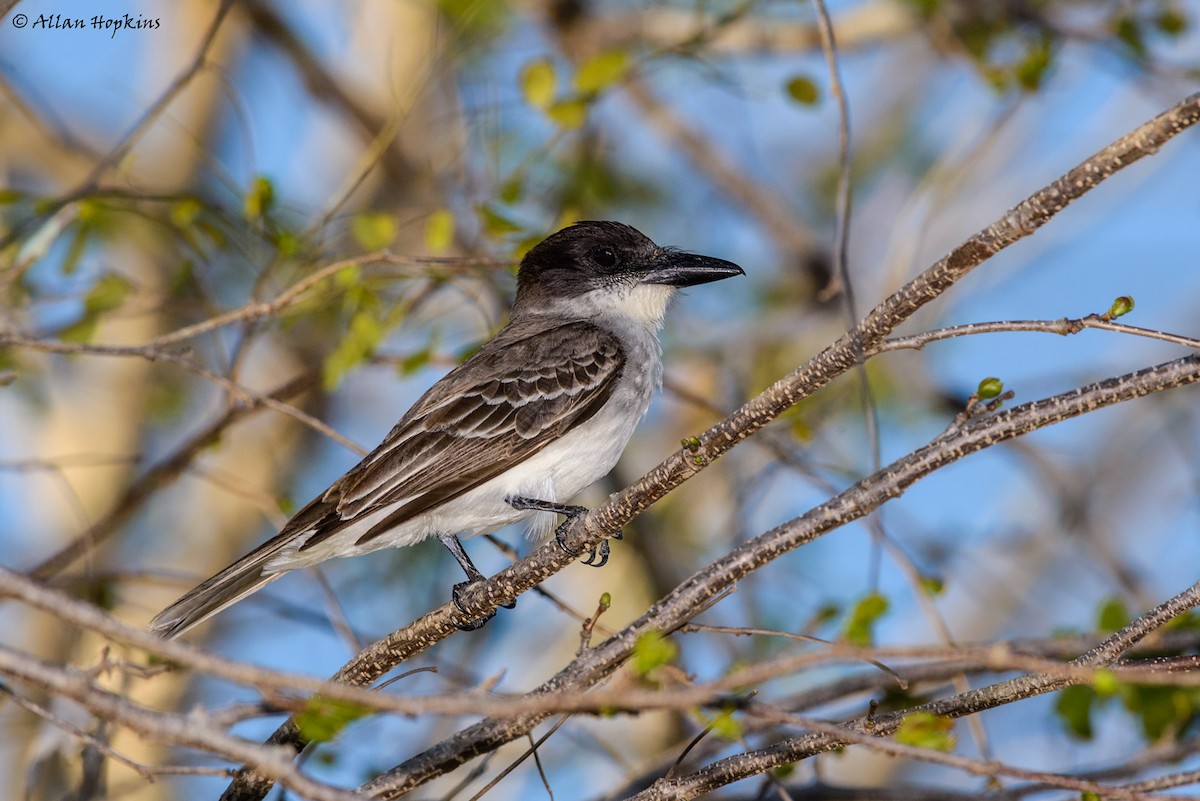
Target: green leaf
<point x="727" y="727"/>
<point x="1189" y="620"/>
<point x="859" y="628"/>
<point x="359" y="342"/>
<point x="474" y="20"/>
<point x="184" y="212"/>
<point x="415" y="361"/>
<point x="286" y="504"/>
<point x="1030" y="71"/>
<point x="1127" y="30"/>
<point x="81" y="331"/>
<point x="826" y="613"/>
<point x="79" y="240"/>
<point x="8" y="196"/>
<point x="259" y="198"/>
<point x="1113" y="615"/>
<point x="347" y="277"/>
<point x="1171" y="21"/>
<point x="322" y="719"/>
<point x="90" y="211"/>
<point x="539" y="83"/>
<point x="1074" y="707"/>
<point x="1120" y="307"/>
<point x="106" y="295"/>
<point x="601" y="71"/>
<point x="286" y="242"/>
<point x="439" y="232"/>
<point x="568" y="114"/>
<point x="374" y="230"/>
<point x="927" y="730"/>
<point x="1162" y="710"/>
<point x="651" y="651"/>
<point x="932" y="585"/>
<point x="512" y="189"/>
<point x="990" y="388"/>
<point x="1105" y="683"/>
<point x="212" y="231"/>
<point x="495" y="223"/>
<point x="166" y="399"/>
<point x="803" y="90"/>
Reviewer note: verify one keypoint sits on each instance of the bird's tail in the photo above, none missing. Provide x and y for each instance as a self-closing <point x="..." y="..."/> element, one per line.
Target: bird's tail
<point x="243" y="577"/>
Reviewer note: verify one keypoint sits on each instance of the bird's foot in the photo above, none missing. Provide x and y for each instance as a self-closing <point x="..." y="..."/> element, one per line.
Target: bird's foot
<point x="456" y="596"/>
<point x="597" y="555"/>
<point x="473" y="575"/>
<point x="523" y="504"/>
<point x="560" y="534"/>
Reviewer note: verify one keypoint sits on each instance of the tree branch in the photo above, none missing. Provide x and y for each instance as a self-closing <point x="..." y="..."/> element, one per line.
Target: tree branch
<point x="751" y="763"/>
<point x="697" y="592"/>
<point x="607" y="519"/>
<point x="192" y="731"/>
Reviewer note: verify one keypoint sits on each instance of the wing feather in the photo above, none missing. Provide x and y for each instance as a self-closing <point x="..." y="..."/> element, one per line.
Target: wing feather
<point x="521" y="391"/>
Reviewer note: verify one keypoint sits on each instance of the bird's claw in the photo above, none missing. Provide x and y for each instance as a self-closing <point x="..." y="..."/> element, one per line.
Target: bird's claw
<point x="456" y="597"/>
<point x="560" y="536"/>
<point x="598" y="556"/>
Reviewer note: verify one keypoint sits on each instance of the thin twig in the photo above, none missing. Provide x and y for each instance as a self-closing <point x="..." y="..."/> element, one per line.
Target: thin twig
<point x="239" y="394"/>
<point x="835" y="360"/>
<point x="142" y="769"/>
<point x="154" y="479"/>
<point x="255" y="311"/>
<point x="866" y="730"/>
<point x="191" y="731"/>
<point x="1063" y="326"/>
<point x="696" y="592"/>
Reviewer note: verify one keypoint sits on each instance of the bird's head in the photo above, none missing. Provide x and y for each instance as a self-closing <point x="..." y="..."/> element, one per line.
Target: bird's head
<point x="609" y="268"/>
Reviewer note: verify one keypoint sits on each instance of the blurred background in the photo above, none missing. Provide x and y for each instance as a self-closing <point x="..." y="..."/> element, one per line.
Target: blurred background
<point x="207" y="157"/>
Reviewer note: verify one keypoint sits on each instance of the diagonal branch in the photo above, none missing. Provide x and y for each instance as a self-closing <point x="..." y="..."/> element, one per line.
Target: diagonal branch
<point x="606" y="520"/>
<point x="751" y="763"/>
<point x="697" y="592"/>
<point x="193" y="730"/>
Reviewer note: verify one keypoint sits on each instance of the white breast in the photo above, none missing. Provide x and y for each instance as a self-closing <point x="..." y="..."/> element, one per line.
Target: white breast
<point x="556" y="473"/>
<point x="585" y="454"/>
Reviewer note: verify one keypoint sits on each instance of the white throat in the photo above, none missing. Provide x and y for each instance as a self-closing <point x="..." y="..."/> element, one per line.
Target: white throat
<point x="640" y="305"/>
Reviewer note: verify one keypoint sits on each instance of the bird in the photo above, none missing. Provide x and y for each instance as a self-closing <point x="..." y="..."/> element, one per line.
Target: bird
<point x="536" y="414"/>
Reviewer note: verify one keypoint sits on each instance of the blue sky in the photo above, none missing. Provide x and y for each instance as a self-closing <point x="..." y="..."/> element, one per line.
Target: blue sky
<point x="1137" y="235"/>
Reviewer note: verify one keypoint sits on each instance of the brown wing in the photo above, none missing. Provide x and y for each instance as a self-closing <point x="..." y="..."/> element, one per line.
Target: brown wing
<point x="521" y="391"/>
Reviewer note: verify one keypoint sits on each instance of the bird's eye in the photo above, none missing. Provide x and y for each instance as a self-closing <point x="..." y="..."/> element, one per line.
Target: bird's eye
<point x="604" y="257"/>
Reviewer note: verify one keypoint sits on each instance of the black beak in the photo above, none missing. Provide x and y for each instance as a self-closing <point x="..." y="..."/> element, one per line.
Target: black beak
<point x="676" y="268"/>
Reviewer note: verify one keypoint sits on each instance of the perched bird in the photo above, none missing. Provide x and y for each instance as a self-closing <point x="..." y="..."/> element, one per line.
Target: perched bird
<point x="538" y="413"/>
